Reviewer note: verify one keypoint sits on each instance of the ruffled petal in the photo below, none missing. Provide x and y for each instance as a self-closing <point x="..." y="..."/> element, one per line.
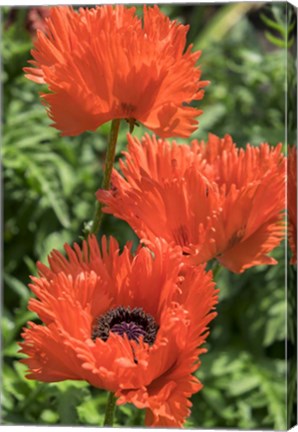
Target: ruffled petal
<point x="102" y="63"/>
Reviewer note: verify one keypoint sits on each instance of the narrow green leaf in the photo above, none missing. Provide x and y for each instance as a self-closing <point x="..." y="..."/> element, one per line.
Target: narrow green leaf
<point x="272" y="24"/>
<point x="18" y="287"/>
<point x="275" y="41"/>
<point x="56" y="202"/>
<point x="222" y="23"/>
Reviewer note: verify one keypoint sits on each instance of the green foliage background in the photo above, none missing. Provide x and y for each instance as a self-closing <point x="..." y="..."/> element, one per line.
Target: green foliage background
<point x="49" y="193"/>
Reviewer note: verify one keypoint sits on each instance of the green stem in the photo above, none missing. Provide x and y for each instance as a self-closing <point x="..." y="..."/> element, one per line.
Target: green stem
<point x="109" y="161"/>
<point x="110" y="410"/>
<point x="216" y="270"/>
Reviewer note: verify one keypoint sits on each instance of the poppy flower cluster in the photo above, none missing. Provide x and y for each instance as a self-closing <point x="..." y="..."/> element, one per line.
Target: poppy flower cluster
<point x="212" y="199"/>
<point x="134" y="323"/>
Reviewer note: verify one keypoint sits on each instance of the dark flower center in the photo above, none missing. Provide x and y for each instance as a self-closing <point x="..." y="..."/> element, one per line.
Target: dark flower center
<point x="135" y="323"/>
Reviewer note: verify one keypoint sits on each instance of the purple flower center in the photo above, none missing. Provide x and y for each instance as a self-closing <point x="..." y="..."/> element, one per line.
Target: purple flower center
<point x="135" y="323"/>
<point x="132" y="330"/>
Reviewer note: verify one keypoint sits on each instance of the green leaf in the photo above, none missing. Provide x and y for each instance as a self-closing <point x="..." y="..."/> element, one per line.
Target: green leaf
<point x="243" y="384"/>
<point x="7" y="327"/>
<point x="49" y="416"/>
<point x="54" y="240"/>
<point x="12" y="350"/>
<point x="90" y="413"/>
<point x="18" y="287"/>
<point x="272" y="24"/>
<point x="54" y="199"/>
<point x="222" y="23"/>
<point x="275" y="41"/>
<point x="71" y="395"/>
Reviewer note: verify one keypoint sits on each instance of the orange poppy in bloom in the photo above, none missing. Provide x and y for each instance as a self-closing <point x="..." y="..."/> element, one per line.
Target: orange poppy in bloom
<point x="292" y="201"/>
<point x="102" y="63"/>
<point x="212" y="199"/>
<point x="35" y="18"/>
<point x="133" y="325"/>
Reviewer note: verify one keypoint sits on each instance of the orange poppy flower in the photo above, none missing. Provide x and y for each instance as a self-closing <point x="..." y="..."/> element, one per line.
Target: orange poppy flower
<point x="292" y="202"/>
<point x="133" y="325"/>
<point x="35" y="19"/>
<point x="102" y="63"/>
<point x="214" y="200"/>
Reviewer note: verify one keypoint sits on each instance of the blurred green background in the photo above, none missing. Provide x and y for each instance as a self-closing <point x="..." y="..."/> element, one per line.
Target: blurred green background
<point x="49" y="193"/>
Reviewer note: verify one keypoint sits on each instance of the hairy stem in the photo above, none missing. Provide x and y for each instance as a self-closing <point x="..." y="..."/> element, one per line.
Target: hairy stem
<point x="109" y="162"/>
<point x="110" y="410"/>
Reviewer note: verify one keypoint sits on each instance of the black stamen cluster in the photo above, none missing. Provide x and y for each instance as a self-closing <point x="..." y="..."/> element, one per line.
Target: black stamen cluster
<point x="133" y="322"/>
